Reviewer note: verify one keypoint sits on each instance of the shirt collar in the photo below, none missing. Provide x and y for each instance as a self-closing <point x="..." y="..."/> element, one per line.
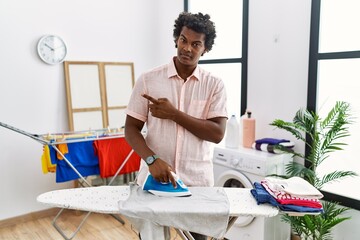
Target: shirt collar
<point x="171" y="72"/>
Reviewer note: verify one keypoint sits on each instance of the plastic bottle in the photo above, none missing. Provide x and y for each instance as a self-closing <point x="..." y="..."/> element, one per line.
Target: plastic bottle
<point x="248" y="126"/>
<point x="241" y="129"/>
<point x="232" y="139"/>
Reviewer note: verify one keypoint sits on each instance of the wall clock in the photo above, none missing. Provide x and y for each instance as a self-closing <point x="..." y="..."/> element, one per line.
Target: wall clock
<point x="51" y="49"/>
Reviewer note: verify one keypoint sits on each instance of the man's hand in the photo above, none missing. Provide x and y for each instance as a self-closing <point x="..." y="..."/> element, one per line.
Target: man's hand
<point x="161" y="108"/>
<point x="161" y="172"/>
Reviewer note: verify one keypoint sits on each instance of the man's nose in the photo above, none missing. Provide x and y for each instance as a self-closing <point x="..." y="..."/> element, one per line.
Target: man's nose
<point x="187" y="47"/>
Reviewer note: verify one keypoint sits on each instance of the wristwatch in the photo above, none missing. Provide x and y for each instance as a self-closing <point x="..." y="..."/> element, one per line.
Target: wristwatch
<point x="151" y="159"/>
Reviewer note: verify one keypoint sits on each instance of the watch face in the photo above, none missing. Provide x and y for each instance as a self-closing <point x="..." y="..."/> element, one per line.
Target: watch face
<point x="51" y="49"/>
<point x="150" y="160"/>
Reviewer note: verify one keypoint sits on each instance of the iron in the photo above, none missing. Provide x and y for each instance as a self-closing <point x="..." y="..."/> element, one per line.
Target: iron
<point x="166" y="189"/>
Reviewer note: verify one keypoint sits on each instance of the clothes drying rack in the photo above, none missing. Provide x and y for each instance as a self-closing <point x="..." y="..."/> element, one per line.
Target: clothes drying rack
<point x="53" y="139"/>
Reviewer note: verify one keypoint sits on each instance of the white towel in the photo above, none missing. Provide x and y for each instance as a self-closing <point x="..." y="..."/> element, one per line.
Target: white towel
<point x="205" y="212"/>
<point x="295" y="186"/>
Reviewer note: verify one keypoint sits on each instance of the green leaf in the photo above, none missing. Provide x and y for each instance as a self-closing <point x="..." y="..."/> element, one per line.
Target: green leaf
<point x="335" y="176"/>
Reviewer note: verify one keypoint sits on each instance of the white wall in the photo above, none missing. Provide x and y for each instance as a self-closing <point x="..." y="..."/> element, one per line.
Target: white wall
<point x="278" y="62"/>
<point x="279" y="32"/>
<point x="32" y="93"/>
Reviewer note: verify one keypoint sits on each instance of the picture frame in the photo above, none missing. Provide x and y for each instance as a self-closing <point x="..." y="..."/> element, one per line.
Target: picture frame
<point x="97" y="93"/>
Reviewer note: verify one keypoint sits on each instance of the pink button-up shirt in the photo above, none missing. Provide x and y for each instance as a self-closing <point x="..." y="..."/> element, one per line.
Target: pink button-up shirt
<point x="202" y="96"/>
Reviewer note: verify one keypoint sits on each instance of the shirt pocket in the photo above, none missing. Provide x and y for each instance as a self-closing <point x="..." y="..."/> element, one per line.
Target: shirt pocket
<point x="198" y="109"/>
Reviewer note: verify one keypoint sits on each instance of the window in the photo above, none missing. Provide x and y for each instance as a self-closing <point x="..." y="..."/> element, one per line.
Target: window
<point x="334" y="75"/>
<point x="228" y="57"/>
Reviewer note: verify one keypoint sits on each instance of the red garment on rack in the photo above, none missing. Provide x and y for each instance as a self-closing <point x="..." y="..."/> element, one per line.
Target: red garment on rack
<point x="112" y="153"/>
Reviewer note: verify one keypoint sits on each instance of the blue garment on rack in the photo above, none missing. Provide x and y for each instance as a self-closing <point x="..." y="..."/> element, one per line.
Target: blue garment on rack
<point x="82" y="156"/>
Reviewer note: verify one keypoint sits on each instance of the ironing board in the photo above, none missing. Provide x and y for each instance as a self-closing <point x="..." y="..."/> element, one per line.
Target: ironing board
<point x="104" y="199"/>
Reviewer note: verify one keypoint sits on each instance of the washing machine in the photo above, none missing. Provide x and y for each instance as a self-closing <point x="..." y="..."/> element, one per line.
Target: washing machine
<point x="241" y="168"/>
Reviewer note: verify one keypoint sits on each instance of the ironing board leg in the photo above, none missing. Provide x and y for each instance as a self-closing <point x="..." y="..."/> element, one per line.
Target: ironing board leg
<point x="121" y="166"/>
<point x="83" y="183"/>
<point x="231" y="222"/>
<point x="185" y="235"/>
<point x="62" y="233"/>
<point x="117" y="217"/>
<point x="181" y="234"/>
<point x="113" y="178"/>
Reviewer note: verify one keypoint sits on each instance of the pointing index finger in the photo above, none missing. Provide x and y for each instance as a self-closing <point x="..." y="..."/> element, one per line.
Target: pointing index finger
<point x="151" y="99"/>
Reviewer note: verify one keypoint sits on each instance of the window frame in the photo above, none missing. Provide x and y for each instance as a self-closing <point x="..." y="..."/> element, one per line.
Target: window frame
<point x="244" y="58"/>
<point x="314" y="58"/>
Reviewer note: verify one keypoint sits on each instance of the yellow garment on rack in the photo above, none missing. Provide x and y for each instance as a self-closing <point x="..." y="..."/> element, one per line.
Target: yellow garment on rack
<point x="46" y="163"/>
<point x="63" y="148"/>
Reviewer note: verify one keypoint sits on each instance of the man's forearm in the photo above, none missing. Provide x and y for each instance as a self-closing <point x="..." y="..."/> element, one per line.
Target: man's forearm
<point x="211" y="130"/>
<point x="137" y="142"/>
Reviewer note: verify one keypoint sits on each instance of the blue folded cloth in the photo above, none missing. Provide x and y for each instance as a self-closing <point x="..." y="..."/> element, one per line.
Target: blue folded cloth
<point x="262" y="196"/>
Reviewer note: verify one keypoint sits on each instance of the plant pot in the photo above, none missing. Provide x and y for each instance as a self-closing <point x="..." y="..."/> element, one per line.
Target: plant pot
<point x="295" y="237"/>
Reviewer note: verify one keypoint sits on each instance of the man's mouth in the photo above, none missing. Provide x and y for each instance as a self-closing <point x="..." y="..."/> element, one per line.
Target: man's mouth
<point x="186" y="56"/>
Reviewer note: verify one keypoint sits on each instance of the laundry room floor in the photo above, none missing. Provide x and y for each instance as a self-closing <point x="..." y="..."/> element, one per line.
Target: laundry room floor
<point x="97" y="226"/>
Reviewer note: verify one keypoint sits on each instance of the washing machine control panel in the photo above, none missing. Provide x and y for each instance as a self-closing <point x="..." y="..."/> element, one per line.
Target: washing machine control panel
<point x="251" y="160"/>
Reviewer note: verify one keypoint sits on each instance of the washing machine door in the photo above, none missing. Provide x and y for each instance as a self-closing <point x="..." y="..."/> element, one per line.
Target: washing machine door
<point x="232" y="178"/>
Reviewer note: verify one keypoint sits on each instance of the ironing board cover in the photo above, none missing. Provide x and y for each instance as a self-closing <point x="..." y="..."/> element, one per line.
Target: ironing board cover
<point x="104" y="199"/>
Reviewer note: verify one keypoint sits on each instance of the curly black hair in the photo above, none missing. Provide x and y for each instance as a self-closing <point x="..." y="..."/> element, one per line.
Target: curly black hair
<point x="197" y="22"/>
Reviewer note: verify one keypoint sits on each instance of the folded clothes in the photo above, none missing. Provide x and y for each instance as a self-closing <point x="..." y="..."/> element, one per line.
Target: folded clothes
<point x="295" y="186"/>
<point x="272" y="148"/>
<point x="293" y="191"/>
<point x="262" y="196"/>
<point x="272" y="141"/>
<point x="284" y="198"/>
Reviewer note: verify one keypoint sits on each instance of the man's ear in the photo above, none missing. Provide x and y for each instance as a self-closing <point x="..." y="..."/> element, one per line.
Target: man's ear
<point x="175" y="41"/>
<point x="205" y="51"/>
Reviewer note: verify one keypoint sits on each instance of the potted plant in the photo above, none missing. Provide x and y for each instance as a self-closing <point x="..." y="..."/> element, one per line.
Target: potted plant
<point x="325" y="135"/>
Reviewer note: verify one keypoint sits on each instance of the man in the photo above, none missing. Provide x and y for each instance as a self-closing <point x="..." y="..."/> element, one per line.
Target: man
<point x="184" y="108"/>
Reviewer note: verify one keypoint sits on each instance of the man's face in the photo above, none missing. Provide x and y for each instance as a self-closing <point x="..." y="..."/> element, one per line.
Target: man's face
<point x="190" y="45"/>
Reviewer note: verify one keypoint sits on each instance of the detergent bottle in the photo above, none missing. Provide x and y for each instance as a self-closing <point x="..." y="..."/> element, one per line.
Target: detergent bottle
<point x="248" y="127"/>
<point x="232" y="138"/>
